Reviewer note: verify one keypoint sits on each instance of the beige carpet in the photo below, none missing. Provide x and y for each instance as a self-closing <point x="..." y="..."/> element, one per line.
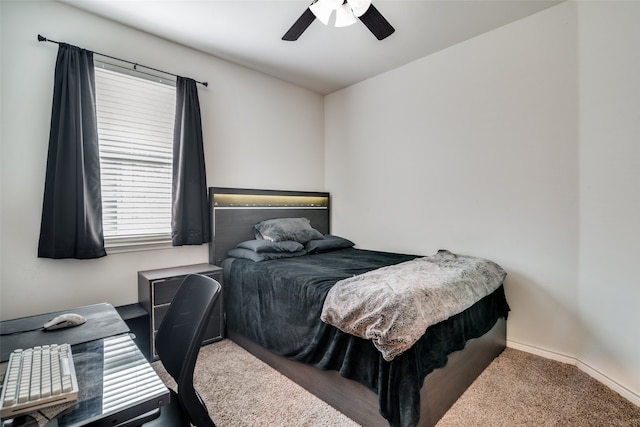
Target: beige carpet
<point x="520" y="389"/>
<point x="240" y="390"/>
<point x="517" y="389"/>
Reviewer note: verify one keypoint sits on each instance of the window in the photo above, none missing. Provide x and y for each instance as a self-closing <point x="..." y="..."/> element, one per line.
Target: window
<point x="135" y="129"/>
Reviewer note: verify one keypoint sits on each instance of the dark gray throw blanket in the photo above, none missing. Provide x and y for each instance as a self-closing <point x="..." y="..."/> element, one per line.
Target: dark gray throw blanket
<point x="393" y="306"/>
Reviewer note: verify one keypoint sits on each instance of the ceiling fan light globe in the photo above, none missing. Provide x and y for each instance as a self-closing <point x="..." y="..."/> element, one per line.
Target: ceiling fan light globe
<point x="323" y="9"/>
<point x="359" y="7"/>
<point x="344" y="16"/>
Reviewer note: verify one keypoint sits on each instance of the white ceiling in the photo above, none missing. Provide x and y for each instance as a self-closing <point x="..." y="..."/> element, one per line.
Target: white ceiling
<point x="324" y="59"/>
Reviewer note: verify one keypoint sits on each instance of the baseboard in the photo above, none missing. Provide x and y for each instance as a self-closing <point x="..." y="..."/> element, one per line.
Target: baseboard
<point x="593" y="373"/>
<point x="542" y="352"/>
<point x="612" y="384"/>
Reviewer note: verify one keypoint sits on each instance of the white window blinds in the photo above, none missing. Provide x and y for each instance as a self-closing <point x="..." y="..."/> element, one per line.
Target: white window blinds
<point x="135" y="129"/>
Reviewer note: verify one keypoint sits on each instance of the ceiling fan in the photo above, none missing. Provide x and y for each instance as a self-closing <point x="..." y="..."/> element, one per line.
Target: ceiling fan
<point x="346" y="13"/>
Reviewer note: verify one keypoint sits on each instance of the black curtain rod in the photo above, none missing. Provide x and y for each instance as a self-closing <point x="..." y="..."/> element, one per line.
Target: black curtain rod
<point x="135" y="64"/>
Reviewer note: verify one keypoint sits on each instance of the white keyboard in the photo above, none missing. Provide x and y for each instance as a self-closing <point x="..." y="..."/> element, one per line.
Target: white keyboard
<point x="37" y="378"/>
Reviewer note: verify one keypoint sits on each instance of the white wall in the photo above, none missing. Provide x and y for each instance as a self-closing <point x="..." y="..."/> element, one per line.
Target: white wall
<point x="472" y="149"/>
<point x="259" y="132"/>
<point x="520" y="145"/>
<point x="609" y="294"/>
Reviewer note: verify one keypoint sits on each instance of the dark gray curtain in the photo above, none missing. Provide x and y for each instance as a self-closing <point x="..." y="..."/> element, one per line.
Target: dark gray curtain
<point x="190" y="209"/>
<point x="71" y="224"/>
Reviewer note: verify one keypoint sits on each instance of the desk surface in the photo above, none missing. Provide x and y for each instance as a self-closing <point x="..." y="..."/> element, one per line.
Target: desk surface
<point x="102" y="321"/>
<point x="115" y="381"/>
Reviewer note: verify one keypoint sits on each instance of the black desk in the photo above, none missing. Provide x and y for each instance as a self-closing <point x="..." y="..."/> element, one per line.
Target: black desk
<point x="102" y="321"/>
<point x="116" y="382"/>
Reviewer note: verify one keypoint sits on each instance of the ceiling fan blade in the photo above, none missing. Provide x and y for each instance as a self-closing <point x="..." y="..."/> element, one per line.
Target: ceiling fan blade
<point x="376" y="23"/>
<point x="299" y="26"/>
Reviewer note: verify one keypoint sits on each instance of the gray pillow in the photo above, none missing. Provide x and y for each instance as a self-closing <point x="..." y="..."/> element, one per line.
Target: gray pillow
<point x="280" y="229"/>
<point x="262" y="256"/>
<point x="261" y="246"/>
<point x="329" y="243"/>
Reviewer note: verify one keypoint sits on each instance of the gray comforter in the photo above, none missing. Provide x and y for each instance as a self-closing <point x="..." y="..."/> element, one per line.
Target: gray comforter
<point x="393" y="306"/>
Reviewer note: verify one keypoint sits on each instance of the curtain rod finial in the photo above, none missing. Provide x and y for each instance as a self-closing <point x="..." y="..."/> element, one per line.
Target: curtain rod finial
<point x="205" y="84"/>
<point x="41" y="39"/>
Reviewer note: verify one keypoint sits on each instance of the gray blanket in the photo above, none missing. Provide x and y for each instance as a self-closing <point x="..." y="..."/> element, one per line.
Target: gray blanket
<point x="393" y="306"/>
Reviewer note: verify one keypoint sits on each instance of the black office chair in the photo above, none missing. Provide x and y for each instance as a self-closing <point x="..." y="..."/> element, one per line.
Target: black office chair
<point x="178" y="343"/>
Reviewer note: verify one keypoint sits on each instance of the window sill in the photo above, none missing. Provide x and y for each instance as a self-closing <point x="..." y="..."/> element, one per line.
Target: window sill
<point x="123" y="245"/>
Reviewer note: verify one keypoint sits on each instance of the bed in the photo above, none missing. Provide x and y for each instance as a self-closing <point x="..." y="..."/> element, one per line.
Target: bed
<point x="268" y="318"/>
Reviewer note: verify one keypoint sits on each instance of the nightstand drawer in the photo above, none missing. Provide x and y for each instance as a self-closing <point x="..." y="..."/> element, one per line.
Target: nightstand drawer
<point x="164" y="290"/>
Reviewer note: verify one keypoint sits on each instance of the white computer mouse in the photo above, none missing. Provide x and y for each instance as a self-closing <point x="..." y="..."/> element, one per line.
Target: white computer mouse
<point x="65" y="320"/>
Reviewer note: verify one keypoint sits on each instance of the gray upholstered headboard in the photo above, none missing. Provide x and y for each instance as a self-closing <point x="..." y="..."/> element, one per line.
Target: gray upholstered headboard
<point x="234" y="212"/>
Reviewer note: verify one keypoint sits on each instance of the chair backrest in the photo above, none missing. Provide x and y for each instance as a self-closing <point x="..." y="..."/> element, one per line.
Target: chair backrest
<point x="180" y="336"/>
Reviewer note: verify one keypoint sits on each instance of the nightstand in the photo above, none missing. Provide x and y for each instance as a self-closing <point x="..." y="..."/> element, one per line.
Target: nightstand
<point x="156" y="289"/>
